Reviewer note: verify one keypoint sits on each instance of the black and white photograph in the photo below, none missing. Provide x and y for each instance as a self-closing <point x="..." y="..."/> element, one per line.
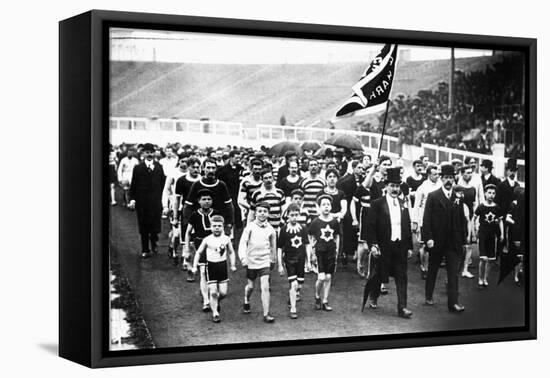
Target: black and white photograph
<point x="267" y="189"/>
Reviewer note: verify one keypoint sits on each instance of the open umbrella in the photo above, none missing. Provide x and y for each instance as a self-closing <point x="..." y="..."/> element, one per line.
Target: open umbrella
<point x="311" y="145"/>
<point x="281" y="148"/>
<point x="321" y="152"/>
<point x="345" y="141"/>
<point x="371" y="266"/>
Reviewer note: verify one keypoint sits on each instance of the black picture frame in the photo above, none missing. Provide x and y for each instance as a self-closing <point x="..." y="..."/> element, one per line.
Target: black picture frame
<point x="83" y="140"/>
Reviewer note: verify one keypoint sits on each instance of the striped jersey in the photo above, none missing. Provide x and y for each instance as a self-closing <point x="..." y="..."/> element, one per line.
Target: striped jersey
<point x="312" y="188"/>
<point x="275" y="198"/>
<point x="362" y="195"/>
<point x="249" y="186"/>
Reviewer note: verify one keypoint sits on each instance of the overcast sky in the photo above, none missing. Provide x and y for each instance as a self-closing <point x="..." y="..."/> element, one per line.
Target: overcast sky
<point x="144" y="45"/>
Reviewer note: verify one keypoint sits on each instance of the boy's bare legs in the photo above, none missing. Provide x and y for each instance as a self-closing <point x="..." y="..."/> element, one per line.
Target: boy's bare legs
<point x="264" y="285"/>
<point x="249" y="287"/>
<point x="292" y="295"/>
<point x="214" y="296"/>
<point x="326" y="287"/>
<point x="204" y="288"/>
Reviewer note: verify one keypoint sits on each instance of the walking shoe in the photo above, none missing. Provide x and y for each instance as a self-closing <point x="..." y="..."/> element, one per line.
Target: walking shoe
<point x="423" y="274"/>
<point x="326" y="307"/>
<point x="145" y="255"/>
<point x="318" y="303"/>
<point x="429" y="302"/>
<point x="190" y="276"/>
<point x="456" y="308"/>
<point x="373" y="305"/>
<point x="384" y="290"/>
<point x="293" y="315"/>
<point x="216" y="319"/>
<point x="405" y="313"/>
<point x="206" y="307"/>
<point x="485" y="283"/>
<point x="246" y="308"/>
<point x="467" y="274"/>
<point x="268" y="318"/>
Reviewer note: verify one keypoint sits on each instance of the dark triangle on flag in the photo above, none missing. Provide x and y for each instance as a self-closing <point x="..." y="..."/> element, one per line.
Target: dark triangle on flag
<point x="374" y="87"/>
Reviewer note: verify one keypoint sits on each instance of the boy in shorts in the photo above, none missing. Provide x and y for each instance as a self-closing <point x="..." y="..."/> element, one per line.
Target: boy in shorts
<point x="200" y="226"/>
<point x="257" y="251"/>
<point x="216" y="247"/>
<point x="490" y="230"/>
<point x="297" y="198"/>
<point x="324" y="232"/>
<point x="292" y="245"/>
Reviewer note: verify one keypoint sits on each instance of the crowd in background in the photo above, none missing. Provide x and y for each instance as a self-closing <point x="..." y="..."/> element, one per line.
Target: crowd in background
<point x="487" y="106"/>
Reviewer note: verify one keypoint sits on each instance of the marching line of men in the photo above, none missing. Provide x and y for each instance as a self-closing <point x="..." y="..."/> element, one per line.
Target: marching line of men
<point x="307" y="218"/>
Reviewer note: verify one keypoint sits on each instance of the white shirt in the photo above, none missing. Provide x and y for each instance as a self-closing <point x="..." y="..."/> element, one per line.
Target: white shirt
<point x="150" y="164"/>
<point x="126" y="168"/>
<point x="421" y="196"/>
<point x="395" y="217"/>
<point x="447" y="193"/>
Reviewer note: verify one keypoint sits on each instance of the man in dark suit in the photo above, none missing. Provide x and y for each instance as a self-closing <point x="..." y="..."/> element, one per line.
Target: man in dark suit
<point x="146" y="197"/>
<point x="505" y="189"/>
<point x="348" y="184"/>
<point x="487" y="177"/>
<point x="444" y="228"/>
<point x="230" y="174"/>
<point x="283" y="170"/>
<point x="390" y="238"/>
<point x="505" y="196"/>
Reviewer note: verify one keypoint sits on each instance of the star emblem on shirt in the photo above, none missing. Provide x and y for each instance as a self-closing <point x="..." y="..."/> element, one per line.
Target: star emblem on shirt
<point x="489" y="217"/>
<point x="327" y="233"/>
<point x="296" y="241"/>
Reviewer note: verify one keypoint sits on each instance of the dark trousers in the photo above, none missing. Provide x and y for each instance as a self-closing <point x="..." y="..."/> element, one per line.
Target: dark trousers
<point x="349" y="235"/>
<point x="397" y="260"/>
<point x="145" y="239"/>
<point x="452" y="262"/>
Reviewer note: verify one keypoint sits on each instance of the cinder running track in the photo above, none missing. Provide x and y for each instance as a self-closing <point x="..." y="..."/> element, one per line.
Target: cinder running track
<point x="172" y="307"/>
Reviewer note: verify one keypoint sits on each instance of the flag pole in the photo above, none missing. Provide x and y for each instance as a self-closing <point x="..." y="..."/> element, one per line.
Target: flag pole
<point x="383" y="127"/>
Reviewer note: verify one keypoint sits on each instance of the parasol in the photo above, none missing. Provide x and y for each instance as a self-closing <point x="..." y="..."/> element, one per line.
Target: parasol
<point x="345" y="141"/>
<point x="281" y="148"/>
<point x="311" y="145"/>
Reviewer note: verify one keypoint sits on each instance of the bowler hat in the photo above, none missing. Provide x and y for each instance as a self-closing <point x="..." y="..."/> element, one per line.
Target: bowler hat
<point x="447" y="170"/>
<point x="487" y="164"/>
<point x="512" y="164"/>
<point x="393" y="175"/>
<point x="148" y="147"/>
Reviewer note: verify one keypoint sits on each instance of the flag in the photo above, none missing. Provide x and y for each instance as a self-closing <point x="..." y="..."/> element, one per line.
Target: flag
<point x="372" y="91"/>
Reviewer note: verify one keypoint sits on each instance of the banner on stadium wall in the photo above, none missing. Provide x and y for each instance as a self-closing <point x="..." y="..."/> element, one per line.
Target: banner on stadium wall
<point x="372" y="91"/>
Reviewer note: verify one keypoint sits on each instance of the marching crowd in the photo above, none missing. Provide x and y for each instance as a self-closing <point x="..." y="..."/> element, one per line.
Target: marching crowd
<point x="303" y="214"/>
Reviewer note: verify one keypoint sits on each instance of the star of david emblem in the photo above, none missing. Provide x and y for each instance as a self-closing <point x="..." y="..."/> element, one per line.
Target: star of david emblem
<point x="327" y="233"/>
<point x="296" y="241"/>
<point x="221" y="249"/>
<point x="489" y="217"/>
